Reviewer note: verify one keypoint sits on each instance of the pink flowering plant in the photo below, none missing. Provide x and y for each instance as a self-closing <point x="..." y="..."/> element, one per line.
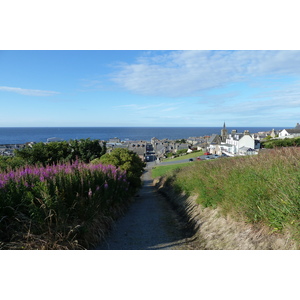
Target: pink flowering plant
<point x="56" y="199"/>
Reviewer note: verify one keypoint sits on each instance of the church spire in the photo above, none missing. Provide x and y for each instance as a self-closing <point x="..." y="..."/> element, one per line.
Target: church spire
<point x="224" y="133"/>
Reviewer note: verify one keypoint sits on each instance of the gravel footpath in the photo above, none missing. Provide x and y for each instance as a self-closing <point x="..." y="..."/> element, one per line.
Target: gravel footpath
<point x="149" y="224"/>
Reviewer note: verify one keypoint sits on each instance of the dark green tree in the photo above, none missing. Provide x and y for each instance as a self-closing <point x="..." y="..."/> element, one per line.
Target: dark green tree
<point x="86" y="150"/>
<point x="55" y="152"/>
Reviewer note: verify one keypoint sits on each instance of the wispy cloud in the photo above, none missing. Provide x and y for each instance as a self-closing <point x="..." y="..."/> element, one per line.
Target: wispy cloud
<point x="154" y="111"/>
<point x="137" y="107"/>
<point x="27" y="92"/>
<point x="170" y="109"/>
<point x="186" y="73"/>
<point x="266" y="105"/>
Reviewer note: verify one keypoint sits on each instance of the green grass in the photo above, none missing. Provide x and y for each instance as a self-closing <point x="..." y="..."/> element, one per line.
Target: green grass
<point x="187" y="156"/>
<point x="264" y="188"/>
<point x="163" y="170"/>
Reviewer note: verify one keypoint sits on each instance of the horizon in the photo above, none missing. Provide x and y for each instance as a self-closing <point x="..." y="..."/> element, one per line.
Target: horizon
<point x="137" y="88"/>
<point x="144" y="127"/>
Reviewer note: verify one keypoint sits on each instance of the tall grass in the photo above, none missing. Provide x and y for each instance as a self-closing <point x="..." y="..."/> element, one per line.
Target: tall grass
<point x="257" y="189"/>
<point x="61" y="206"/>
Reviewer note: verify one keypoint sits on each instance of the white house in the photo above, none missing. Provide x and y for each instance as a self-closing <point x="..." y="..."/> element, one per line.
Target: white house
<point x="289" y="133"/>
<point x="240" y="145"/>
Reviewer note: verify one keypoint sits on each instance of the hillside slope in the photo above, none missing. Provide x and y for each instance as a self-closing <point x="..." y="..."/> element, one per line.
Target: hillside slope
<point x="241" y="203"/>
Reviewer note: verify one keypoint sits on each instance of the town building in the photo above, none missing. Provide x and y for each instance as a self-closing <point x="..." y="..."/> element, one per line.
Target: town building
<point x="234" y="143"/>
<point x="289" y="133"/>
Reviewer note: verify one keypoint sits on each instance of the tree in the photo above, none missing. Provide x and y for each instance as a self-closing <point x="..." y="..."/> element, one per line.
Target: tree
<point x="125" y="160"/>
<point x="86" y="150"/>
<point x="52" y="153"/>
<point x="182" y="141"/>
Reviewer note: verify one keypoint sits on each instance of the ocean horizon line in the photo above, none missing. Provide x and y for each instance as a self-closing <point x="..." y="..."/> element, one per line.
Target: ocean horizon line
<point x="21" y="135"/>
<point x="240" y="126"/>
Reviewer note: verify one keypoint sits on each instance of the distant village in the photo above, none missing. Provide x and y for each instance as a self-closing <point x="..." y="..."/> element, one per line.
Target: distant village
<point x="224" y="144"/>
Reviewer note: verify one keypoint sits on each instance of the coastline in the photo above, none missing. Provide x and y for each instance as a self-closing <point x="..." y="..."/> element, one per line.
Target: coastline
<point x="22" y="135"/>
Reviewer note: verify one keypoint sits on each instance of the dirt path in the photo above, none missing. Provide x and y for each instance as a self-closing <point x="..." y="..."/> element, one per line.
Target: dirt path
<point x="149" y="224"/>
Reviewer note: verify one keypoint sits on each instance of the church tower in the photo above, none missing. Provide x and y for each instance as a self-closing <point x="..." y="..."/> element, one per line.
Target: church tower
<point x="224" y="133"/>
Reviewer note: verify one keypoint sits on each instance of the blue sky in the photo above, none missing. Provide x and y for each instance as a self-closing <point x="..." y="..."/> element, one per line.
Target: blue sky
<point x="149" y="88"/>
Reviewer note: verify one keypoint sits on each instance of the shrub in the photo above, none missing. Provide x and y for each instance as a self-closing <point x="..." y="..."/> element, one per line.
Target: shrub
<point x="281" y="143"/>
<point x="182" y="151"/>
<point x="11" y="163"/>
<point x="125" y="160"/>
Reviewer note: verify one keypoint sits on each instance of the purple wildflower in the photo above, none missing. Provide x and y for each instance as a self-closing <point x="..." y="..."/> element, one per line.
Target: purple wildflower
<point x="2" y="183"/>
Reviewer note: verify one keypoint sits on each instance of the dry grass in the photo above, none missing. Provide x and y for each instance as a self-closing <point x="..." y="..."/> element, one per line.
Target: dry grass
<point x="215" y="231"/>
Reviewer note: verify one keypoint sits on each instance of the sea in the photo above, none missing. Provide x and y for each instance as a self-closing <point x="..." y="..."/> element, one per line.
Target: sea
<point x="22" y="135"/>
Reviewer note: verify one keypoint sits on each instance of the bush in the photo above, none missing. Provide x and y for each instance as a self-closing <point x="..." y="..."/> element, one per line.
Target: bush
<point x="182" y="151"/>
<point x="281" y="143"/>
<point x="11" y="163"/>
<point x="125" y="160"/>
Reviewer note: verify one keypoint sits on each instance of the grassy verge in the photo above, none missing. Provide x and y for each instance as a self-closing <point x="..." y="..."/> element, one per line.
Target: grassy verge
<point x="258" y="189"/>
<point x="163" y="170"/>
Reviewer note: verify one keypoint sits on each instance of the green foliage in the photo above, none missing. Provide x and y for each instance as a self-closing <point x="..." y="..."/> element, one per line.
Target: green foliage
<point x="170" y="154"/>
<point x="13" y="163"/>
<point x="83" y="150"/>
<point x="86" y="150"/>
<point x="182" y="141"/>
<point x="182" y="151"/>
<point x="125" y="160"/>
<point x="281" y="143"/>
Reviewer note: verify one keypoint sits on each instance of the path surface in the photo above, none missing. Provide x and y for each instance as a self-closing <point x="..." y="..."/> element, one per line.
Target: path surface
<point x="149" y="224"/>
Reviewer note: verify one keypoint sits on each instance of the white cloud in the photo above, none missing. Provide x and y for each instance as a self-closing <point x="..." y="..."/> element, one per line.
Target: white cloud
<point x="27" y="92"/>
<point x="186" y="73"/>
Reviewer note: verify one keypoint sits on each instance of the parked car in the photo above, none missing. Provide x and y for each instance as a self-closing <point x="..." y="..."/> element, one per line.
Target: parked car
<point x="191" y="159"/>
<point x="198" y="158"/>
<point x="207" y="153"/>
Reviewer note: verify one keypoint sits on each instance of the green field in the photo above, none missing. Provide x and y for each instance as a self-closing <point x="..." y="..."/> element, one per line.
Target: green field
<point x="163" y="170"/>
